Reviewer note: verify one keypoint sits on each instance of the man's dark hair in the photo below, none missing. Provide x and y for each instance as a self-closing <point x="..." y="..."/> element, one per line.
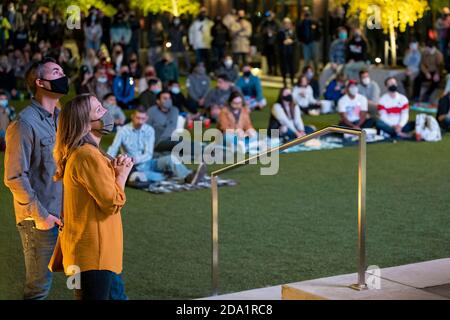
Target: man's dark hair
<point x="362" y="72"/>
<point x="172" y="82"/>
<point x="4" y="93"/>
<point x="109" y="94"/>
<point x="224" y="77"/>
<point x="36" y="71"/>
<point x="140" y="109"/>
<point x="164" y="91"/>
<point x="387" y="79"/>
<point x="235" y="94"/>
<point x="152" y="82"/>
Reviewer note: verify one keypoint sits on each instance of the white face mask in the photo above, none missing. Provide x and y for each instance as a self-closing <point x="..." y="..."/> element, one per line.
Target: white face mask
<point x="228" y="63"/>
<point x="366" y="81"/>
<point x="353" y="90"/>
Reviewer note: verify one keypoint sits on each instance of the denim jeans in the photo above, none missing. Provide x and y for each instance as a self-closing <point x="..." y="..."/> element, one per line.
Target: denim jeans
<point x="233" y="140"/>
<point x="38" y="246"/>
<point x="117" y="288"/>
<point x="290" y="135"/>
<point x="447" y="120"/>
<point x="383" y="126"/>
<point x="155" y="168"/>
<point x="309" y="54"/>
<point x="95" y="285"/>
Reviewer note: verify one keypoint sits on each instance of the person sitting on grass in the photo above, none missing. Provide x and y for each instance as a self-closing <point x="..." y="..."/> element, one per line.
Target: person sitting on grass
<point x="250" y="86"/>
<point x="137" y="140"/>
<point x="443" y="113"/>
<point x="286" y="117"/>
<point x="163" y="117"/>
<point x="335" y="88"/>
<point x="234" y="121"/>
<point x="123" y="88"/>
<point x="353" y="108"/>
<point x="393" y="108"/>
<point x="370" y="90"/>
<point x="110" y="103"/>
<point x="229" y="68"/>
<point x="179" y="100"/>
<point x="217" y="98"/>
<point x="148" y="97"/>
<point x="7" y="114"/>
<point x="197" y="85"/>
<point x="303" y="96"/>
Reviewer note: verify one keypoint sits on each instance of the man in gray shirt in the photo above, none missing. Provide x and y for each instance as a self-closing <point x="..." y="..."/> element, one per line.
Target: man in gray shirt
<point x="29" y="170"/>
<point x="163" y="117"/>
<point x="370" y="90"/>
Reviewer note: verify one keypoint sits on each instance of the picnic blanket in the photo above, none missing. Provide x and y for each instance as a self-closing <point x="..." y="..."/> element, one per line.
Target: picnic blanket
<point x="172" y="185"/>
<point x="424" y="107"/>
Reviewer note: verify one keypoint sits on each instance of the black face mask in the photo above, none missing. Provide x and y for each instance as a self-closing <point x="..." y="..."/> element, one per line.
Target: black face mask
<point x="287" y="98"/>
<point x="247" y="74"/>
<point x="60" y="85"/>
<point x="392" y="88"/>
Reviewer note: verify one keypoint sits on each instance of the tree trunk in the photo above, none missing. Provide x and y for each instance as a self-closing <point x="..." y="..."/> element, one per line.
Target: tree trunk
<point x="175" y="8"/>
<point x="393" y="45"/>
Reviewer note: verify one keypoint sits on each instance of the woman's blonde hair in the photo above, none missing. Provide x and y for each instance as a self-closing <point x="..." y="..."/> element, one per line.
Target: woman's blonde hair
<point x="73" y="126"/>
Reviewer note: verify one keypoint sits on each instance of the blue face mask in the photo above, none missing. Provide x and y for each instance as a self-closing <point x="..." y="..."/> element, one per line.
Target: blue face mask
<point x="176" y="90"/>
<point x="343" y="35"/>
<point x="156" y="91"/>
<point x="4" y="103"/>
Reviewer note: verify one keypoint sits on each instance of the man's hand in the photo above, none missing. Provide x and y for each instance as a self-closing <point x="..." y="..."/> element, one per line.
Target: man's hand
<point x="48" y="223"/>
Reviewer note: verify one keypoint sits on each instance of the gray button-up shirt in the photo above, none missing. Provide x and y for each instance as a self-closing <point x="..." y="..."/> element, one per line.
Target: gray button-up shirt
<point x="29" y="164"/>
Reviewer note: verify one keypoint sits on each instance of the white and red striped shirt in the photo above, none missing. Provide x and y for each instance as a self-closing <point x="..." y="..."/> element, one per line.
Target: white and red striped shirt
<point x="394" y="111"/>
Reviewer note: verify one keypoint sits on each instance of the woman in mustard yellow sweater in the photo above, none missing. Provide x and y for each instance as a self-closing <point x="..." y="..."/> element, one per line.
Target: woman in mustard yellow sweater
<point x="91" y="239"/>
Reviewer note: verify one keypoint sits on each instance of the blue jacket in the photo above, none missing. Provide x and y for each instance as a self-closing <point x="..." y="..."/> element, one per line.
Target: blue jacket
<point x="252" y="88"/>
<point x="331" y="93"/>
<point x="123" y="89"/>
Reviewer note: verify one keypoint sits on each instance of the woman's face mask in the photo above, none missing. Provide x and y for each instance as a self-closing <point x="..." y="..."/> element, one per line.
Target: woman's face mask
<point x="106" y="124"/>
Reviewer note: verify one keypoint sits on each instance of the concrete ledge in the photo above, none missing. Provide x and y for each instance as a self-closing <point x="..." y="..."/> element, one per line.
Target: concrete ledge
<point x="429" y="280"/>
<point x="268" y="293"/>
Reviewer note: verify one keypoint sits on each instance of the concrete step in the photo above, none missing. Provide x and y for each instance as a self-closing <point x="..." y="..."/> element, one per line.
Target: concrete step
<point x="429" y="280"/>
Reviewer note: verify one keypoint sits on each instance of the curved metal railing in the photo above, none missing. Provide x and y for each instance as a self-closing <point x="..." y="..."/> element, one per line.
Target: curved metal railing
<point x="361" y="284"/>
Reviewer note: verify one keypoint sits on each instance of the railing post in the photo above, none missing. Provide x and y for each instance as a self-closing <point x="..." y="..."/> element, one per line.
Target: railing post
<point x="215" y="235"/>
<point x="361" y="285"/>
<point x="362" y="166"/>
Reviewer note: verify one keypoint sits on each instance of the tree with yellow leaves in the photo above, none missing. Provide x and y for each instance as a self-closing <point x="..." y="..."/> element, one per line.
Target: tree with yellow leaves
<point x="388" y="15"/>
<point x="176" y="7"/>
<point x="84" y="5"/>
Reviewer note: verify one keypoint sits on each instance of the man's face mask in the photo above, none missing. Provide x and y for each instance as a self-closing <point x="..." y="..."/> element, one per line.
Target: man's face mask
<point x="4" y="103"/>
<point x="60" y="85"/>
<point x="167" y="104"/>
<point x="106" y="124"/>
<point x="353" y="90"/>
<point x="175" y="90"/>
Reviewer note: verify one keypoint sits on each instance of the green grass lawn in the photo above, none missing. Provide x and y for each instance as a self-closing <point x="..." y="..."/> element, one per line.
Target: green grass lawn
<point x="300" y="224"/>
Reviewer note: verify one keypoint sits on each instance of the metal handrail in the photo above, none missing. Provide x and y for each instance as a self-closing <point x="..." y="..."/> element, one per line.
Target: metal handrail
<point x="361" y="284"/>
